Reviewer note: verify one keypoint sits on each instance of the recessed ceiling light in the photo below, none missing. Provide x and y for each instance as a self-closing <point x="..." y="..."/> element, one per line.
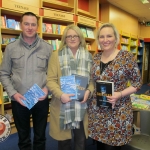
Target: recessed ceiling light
<point x="144" y="1"/>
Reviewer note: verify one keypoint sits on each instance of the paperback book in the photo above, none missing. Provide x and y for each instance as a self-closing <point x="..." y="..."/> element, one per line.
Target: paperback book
<point x="68" y="85"/>
<point x="32" y="96"/>
<point x="103" y="89"/>
<point x="81" y="83"/>
<point x="74" y="84"/>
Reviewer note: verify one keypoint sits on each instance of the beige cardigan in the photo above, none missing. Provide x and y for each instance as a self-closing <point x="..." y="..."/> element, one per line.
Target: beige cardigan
<point x="53" y="84"/>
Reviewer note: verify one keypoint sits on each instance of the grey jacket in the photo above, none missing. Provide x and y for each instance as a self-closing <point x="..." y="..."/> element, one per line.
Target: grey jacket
<point x="24" y="65"/>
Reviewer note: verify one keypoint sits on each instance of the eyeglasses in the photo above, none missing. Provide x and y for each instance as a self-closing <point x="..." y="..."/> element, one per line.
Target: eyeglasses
<point x="70" y="37"/>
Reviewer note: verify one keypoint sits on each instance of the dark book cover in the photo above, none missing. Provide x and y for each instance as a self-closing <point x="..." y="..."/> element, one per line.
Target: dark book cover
<point x="103" y="89"/>
<point x="68" y="85"/>
<point x="32" y="96"/>
<point x="81" y="83"/>
<point x="74" y="84"/>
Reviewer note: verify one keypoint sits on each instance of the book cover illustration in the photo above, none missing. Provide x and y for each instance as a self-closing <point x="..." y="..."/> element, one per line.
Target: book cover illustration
<point x="68" y="85"/>
<point x="103" y="89"/>
<point x="11" y="23"/>
<point x="32" y="96"/>
<point x="81" y="83"/>
<point x="90" y="33"/>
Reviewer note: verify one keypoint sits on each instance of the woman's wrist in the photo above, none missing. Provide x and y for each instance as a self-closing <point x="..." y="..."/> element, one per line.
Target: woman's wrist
<point x="120" y="94"/>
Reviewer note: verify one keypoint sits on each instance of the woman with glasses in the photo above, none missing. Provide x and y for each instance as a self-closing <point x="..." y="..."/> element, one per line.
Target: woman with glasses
<point x="68" y="118"/>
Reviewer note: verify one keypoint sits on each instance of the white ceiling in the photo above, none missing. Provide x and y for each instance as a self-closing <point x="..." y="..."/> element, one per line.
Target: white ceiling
<point x="134" y="7"/>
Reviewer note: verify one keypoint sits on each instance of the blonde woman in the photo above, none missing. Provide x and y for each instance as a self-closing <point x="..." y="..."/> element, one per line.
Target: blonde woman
<point x="71" y="58"/>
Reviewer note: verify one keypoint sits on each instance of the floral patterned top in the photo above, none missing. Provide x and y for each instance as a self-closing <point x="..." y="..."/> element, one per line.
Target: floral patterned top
<point x="114" y="127"/>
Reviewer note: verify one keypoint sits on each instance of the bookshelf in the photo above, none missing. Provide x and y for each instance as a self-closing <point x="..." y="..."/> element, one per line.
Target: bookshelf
<point x="90" y="28"/>
<point x="134" y="44"/>
<point x="125" y="41"/>
<point x="53" y="24"/>
<point x="140" y="55"/>
<point x="85" y="8"/>
<point x="63" y="5"/>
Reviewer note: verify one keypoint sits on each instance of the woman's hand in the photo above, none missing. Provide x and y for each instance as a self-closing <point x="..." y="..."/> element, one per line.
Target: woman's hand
<point x="45" y="90"/>
<point x="65" y="98"/>
<point x="86" y="96"/>
<point x="113" y="99"/>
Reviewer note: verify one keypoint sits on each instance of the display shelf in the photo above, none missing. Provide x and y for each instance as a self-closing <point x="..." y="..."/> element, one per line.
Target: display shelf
<point x="134" y="44"/>
<point x="125" y="41"/>
<point x="85" y="8"/>
<point x="68" y="5"/>
<point x="140" y="54"/>
<point x="89" y="27"/>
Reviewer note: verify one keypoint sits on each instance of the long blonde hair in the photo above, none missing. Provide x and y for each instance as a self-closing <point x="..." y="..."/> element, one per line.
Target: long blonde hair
<point x="78" y="31"/>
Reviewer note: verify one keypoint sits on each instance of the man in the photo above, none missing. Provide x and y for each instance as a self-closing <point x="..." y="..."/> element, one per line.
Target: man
<point x="24" y="64"/>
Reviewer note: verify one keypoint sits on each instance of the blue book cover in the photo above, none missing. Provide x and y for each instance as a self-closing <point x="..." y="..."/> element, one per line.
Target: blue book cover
<point x="11" y="23"/>
<point x="68" y="85"/>
<point x="103" y="89"/>
<point x="32" y="96"/>
<point x="81" y="83"/>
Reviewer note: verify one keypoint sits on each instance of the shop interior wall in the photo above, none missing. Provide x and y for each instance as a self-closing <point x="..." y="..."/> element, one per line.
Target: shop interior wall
<point x="120" y="18"/>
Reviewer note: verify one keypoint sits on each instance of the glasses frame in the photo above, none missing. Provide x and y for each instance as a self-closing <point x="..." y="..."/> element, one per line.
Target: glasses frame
<point x="70" y="37"/>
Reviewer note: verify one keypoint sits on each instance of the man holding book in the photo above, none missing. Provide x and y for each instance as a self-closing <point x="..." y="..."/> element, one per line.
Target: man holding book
<point x="25" y="64"/>
<point x="69" y="115"/>
<point x="111" y="126"/>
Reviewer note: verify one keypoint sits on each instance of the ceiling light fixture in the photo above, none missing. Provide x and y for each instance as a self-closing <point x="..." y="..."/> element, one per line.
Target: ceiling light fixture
<point x="144" y="1"/>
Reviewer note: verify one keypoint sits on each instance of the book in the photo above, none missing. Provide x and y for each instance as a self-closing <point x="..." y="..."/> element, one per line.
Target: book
<point x="68" y="85"/>
<point x="32" y="96"/>
<point x="48" y="28"/>
<point x="89" y="32"/>
<point x="11" y="23"/>
<point x="83" y="29"/>
<point x="74" y="84"/>
<point x="81" y="83"/>
<point x="103" y="89"/>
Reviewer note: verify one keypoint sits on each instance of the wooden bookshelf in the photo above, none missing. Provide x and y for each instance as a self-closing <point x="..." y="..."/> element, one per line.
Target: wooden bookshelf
<point x="67" y="5"/>
<point x="85" y="8"/>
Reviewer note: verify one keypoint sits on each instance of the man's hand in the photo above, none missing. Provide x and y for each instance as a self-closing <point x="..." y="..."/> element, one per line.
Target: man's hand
<point x="18" y="98"/>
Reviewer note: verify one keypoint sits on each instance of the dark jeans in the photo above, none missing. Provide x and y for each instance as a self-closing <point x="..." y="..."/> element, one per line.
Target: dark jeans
<point x="79" y="140"/>
<point x="22" y="115"/>
<point x="102" y="146"/>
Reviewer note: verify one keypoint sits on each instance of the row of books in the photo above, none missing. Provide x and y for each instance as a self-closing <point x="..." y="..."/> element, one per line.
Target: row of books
<point x="53" y="28"/>
<point x="6" y="40"/>
<point x="125" y="40"/>
<point x="58" y="29"/>
<point x="54" y="43"/>
<point x="87" y="32"/>
<point x="9" y="23"/>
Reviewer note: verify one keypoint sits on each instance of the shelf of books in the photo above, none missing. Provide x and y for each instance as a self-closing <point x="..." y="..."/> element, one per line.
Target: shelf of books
<point x="53" y="24"/>
<point x="85" y="8"/>
<point x="140" y="54"/>
<point x="125" y="41"/>
<point x="88" y="28"/>
<point x="134" y="44"/>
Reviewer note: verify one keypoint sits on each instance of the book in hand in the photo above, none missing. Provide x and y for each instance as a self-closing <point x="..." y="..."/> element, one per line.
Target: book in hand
<point x="81" y="85"/>
<point x="103" y="89"/>
<point x="32" y="96"/>
<point x="74" y="84"/>
<point x="68" y="85"/>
